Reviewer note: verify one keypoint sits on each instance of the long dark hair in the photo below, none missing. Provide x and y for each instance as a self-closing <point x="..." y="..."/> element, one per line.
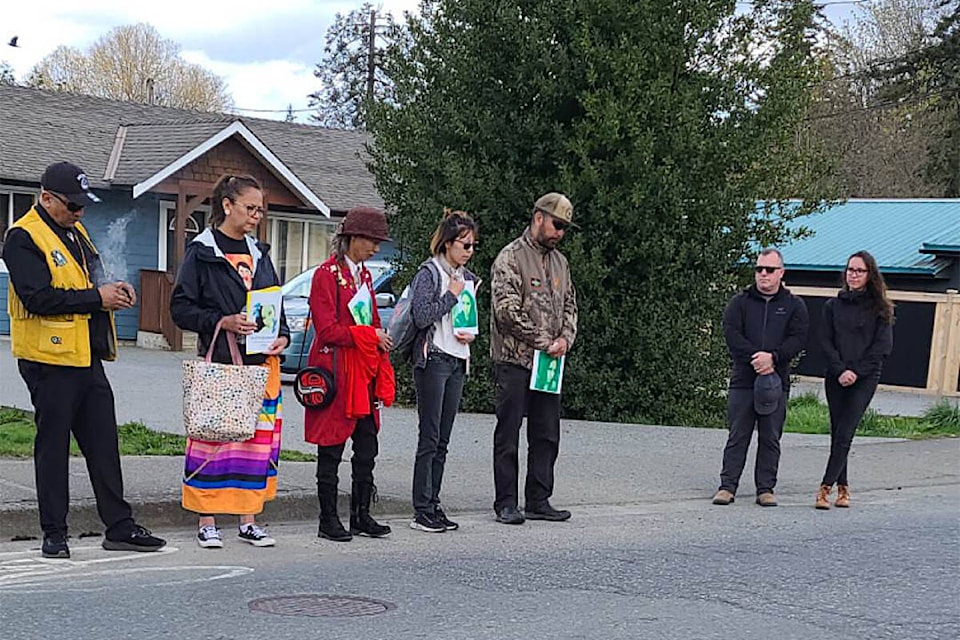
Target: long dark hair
<point x="230" y="187"/>
<point x="876" y="287"/>
<point x="453" y="225"/>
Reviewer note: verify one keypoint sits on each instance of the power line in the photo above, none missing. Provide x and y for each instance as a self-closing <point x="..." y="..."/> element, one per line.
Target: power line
<point x="273" y="110"/>
<point x="816" y="4"/>
<point x="883" y="105"/>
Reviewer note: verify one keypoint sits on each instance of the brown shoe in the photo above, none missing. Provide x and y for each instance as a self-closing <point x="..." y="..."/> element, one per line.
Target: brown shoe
<point x="823" y="497"/>
<point x="723" y="498"/>
<point x="843" y="497"/>
<point x="766" y="500"/>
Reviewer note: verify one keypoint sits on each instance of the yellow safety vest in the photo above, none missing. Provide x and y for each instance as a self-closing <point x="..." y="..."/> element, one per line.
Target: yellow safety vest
<point x="62" y="340"/>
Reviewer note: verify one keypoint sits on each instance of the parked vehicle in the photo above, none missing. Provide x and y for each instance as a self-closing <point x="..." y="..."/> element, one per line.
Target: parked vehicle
<point x="296" y="304"/>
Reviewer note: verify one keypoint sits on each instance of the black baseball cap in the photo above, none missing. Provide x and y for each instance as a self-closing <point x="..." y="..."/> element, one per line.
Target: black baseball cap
<point x="767" y="393"/>
<point x="70" y="181"/>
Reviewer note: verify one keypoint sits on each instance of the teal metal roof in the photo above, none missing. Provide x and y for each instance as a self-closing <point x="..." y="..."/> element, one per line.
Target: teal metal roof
<point x="894" y="231"/>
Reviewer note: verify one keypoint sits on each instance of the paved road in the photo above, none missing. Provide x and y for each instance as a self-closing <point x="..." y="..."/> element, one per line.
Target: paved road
<point x="886" y="569"/>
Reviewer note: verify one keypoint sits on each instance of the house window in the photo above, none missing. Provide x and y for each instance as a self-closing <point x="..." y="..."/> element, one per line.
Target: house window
<point x="297" y="244"/>
<point x="194" y="225"/>
<point x="13" y="204"/>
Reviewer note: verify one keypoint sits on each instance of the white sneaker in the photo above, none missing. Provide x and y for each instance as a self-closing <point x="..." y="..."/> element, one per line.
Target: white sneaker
<point x="255" y="535"/>
<point x="209" y="537"/>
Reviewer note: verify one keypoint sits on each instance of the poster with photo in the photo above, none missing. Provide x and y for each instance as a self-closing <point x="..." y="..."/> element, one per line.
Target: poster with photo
<point x="263" y="309"/>
<point x="547" y="374"/>
<point x="465" y="318"/>
<point x="361" y="306"/>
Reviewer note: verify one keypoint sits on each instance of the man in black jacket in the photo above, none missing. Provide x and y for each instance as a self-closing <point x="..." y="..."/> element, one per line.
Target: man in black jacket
<point x="765" y="327"/>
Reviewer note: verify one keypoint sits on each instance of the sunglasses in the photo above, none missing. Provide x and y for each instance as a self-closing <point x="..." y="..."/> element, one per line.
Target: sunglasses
<point x="72" y="207"/>
<point x="559" y="225"/>
<point x="759" y="269"/>
<point x="467" y="246"/>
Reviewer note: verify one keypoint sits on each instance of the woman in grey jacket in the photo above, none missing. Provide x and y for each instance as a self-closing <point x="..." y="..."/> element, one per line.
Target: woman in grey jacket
<point x="440" y="355"/>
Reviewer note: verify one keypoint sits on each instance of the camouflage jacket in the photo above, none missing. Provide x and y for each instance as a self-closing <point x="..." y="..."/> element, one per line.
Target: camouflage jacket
<point x="534" y="301"/>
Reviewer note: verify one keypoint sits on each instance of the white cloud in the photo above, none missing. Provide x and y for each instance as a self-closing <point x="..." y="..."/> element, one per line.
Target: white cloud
<point x="254" y="82"/>
<point x="271" y="85"/>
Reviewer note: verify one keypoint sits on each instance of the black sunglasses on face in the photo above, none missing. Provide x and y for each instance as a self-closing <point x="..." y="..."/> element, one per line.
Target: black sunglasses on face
<point x="467" y="246"/>
<point x="758" y="269"/>
<point x="559" y="225"/>
<point x="72" y="207"/>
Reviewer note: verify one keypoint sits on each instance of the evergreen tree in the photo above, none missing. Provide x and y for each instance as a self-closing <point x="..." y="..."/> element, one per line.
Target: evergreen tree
<point x="664" y="121"/>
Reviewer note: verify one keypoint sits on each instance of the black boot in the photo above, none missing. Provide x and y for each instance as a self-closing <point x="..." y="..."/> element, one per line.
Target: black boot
<point x="361" y="523"/>
<point x="330" y="526"/>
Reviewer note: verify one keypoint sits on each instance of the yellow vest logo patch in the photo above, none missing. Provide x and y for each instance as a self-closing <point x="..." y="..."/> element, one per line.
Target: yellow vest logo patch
<point x="58" y="258"/>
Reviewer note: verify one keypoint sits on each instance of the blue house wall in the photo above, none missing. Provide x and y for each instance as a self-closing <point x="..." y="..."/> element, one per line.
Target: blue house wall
<point x="126" y="232"/>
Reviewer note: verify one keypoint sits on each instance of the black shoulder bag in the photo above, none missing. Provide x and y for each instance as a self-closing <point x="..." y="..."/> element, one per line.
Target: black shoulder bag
<point x="316" y="387"/>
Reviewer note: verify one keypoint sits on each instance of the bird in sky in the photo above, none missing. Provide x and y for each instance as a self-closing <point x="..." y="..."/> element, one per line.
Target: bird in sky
<point x="13" y="41"/>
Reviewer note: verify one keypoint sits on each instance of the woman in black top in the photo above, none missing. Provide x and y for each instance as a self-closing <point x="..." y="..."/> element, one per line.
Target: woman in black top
<point x="857" y="336"/>
<point x="221" y="266"/>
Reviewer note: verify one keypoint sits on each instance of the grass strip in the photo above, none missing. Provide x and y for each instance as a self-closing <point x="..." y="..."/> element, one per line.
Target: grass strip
<point x="136" y="439"/>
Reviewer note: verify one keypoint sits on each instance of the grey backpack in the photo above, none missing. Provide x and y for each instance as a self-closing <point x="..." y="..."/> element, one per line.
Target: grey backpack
<point x="401" y="328"/>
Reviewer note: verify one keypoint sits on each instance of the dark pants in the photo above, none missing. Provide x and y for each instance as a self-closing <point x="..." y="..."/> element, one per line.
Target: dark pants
<point x="543" y="438"/>
<point x="365" y="449"/>
<point x="439" y="388"/>
<point x="847" y="406"/>
<point x="741" y="420"/>
<point x="78" y="400"/>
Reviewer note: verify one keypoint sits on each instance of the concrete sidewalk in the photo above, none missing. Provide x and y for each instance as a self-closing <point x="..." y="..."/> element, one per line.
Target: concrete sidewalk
<point x="600" y="463"/>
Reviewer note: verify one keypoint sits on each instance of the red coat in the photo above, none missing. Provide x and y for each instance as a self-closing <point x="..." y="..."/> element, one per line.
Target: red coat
<point x="331" y="324"/>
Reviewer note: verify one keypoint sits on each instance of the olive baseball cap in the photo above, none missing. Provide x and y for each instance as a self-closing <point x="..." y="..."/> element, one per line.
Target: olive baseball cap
<point x="558" y="206"/>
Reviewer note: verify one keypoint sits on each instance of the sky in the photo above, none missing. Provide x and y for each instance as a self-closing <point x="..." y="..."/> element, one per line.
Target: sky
<point x="266" y="52"/>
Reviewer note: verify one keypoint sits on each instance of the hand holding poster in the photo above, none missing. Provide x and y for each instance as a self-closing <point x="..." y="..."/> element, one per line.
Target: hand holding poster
<point x="465" y="312"/>
<point x="547" y="374"/>
<point x="263" y="309"/>
<point x="361" y="306"/>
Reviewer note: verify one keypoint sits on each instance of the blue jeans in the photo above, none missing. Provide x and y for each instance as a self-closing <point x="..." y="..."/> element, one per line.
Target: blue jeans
<point x="439" y="388"/>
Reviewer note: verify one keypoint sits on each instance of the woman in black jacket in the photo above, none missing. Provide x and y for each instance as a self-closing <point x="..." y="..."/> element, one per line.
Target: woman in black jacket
<point x="857" y="335"/>
<point x="221" y="265"/>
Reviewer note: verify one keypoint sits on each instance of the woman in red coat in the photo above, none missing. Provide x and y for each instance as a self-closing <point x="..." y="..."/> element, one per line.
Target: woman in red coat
<point x="356" y="353"/>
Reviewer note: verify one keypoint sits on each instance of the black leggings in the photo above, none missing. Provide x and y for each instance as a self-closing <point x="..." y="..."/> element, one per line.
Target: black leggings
<point x="365" y="449"/>
<point x="847" y="406"/>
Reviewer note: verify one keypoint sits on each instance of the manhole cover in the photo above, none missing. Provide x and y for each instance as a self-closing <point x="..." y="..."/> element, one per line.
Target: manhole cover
<point x="320" y="605"/>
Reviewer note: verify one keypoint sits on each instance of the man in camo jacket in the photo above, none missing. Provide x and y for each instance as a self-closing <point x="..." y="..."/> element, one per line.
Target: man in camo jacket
<point x="534" y="307"/>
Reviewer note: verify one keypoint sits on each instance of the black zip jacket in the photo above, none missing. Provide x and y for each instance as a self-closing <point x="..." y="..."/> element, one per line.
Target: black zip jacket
<point x="209" y="288"/>
<point x="751" y="323"/>
<point x="854" y="336"/>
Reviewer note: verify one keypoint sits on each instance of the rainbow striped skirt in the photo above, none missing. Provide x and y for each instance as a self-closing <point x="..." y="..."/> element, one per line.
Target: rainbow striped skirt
<point x="237" y="477"/>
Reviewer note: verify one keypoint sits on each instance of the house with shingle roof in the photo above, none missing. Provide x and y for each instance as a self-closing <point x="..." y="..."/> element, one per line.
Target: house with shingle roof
<point x="155" y="167"/>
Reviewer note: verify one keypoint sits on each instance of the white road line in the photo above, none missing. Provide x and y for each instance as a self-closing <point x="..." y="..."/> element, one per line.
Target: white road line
<point x="38" y="583"/>
<point x="16" y="565"/>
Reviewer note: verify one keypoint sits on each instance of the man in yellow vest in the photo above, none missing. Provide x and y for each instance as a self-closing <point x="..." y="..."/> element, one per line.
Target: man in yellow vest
<point x="61" y="328"/>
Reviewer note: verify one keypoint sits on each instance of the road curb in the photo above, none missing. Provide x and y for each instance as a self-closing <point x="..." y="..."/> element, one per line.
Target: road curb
<point x="22" y="521"/>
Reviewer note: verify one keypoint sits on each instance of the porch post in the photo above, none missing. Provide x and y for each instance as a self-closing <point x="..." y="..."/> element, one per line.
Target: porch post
<point x="180" y="228"/>
<point x="262" y="227"/>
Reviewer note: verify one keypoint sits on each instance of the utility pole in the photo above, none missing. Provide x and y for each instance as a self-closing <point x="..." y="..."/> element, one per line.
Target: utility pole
<point x="371" y="55"/>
